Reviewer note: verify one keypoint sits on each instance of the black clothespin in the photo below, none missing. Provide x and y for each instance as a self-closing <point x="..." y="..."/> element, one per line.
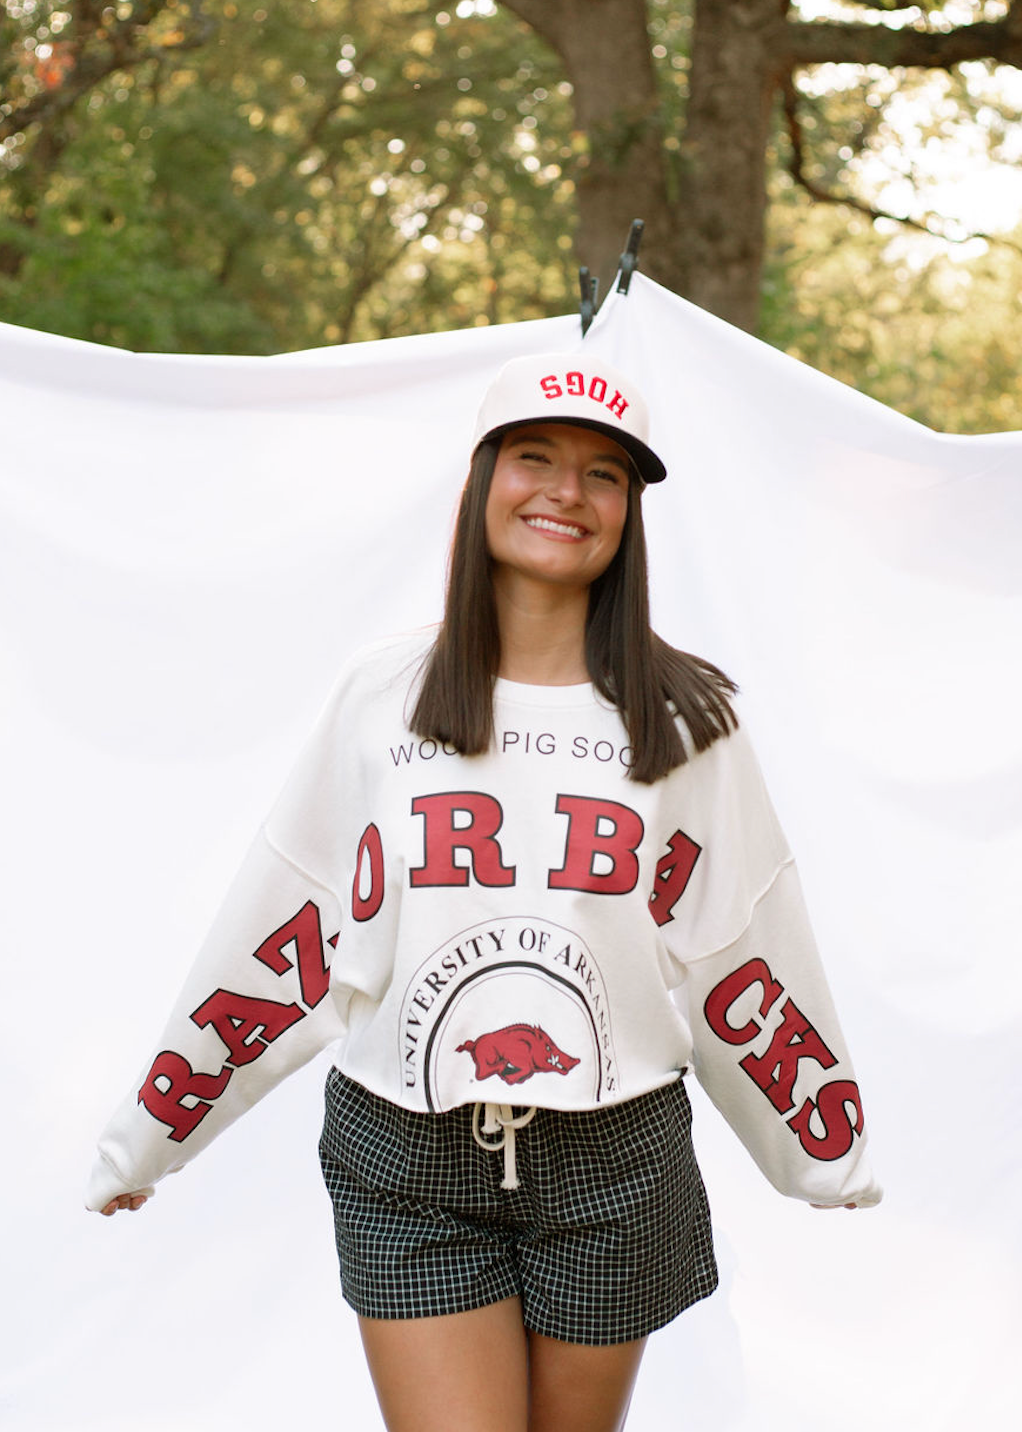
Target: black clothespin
<point x="589" y="287"/>
<point x="630" y="258"/>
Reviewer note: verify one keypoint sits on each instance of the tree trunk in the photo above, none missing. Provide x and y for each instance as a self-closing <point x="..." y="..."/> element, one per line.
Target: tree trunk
<point x="704" y="233"/>
<point x="604" y="45"/>
<point x="704" y="225"/>
<point x="737" y="62"/>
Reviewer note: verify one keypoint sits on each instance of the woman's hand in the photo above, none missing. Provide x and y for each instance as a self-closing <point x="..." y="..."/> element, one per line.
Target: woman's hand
<point x="132" y="1201"/>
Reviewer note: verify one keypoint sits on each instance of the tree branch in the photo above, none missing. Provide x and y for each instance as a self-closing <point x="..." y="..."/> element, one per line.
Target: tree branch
<point x="889" y="5"/>
<point x="543" y="16"/>
<point x="796" y="167"/>
<point x="809" y="43"/>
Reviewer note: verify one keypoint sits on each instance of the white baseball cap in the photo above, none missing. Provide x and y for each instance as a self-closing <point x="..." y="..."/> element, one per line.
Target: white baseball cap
<point x="570" y="388"/>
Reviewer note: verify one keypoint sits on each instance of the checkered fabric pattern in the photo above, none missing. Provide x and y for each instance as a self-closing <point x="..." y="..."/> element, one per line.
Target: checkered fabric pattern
<point x="607" y="1237"/>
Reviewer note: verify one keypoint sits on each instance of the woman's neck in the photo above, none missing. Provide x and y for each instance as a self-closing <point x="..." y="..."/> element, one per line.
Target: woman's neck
<point x="542" y="634"/>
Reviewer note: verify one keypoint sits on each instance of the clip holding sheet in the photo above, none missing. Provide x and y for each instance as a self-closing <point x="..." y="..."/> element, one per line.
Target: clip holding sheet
<point x="630" y="258"/>
<point x="589" y="287"/>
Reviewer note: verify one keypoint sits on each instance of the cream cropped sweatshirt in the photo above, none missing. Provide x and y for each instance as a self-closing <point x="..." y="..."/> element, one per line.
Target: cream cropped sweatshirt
<point x="524" y="928"/>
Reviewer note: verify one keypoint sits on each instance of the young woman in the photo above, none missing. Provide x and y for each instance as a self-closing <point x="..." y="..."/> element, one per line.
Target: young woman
<point x="535" y="848"/>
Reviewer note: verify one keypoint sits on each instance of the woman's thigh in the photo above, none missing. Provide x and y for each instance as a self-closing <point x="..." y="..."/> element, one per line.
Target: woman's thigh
<point x="576" y="1388"/>
<point x="463" y="1372"/>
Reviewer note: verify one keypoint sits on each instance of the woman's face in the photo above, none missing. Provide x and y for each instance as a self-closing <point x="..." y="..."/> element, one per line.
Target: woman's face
<point x="557" y="503"/>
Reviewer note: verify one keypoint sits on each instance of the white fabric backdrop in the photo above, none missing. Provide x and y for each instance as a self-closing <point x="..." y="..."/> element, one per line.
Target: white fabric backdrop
<point x="190" y="546"/>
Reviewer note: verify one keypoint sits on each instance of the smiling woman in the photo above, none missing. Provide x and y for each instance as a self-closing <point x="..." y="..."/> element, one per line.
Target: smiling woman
<point x="554" y="518"/>
<point x="535" y="606"/>
<point x="571" y="889"/>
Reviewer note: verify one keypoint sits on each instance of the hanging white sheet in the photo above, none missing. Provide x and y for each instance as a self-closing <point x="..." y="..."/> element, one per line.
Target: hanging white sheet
<point x="190" y="546"/>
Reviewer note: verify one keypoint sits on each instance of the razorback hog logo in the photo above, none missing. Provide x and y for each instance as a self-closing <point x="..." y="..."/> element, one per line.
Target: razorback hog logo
<point x="516" y="1053"/>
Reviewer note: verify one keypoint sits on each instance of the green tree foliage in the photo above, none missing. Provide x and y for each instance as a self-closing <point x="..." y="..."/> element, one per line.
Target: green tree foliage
<point x="247" y="178"/>
<point x="894" y="290"/>
<point x="930" y="335"/>
<point x="242" y="177"/>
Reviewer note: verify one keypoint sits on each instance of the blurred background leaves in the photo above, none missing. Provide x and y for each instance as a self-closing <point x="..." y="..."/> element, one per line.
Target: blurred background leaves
<point x="257" y="176"/>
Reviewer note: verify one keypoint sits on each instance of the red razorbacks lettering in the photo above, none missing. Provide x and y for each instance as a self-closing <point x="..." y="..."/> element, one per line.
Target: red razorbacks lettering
<point x="178" y="1096"/>
<point x="303" y="933"/>
<point x="776" y="1069"/>
<point x="575" y="385"/>
<point x="369" y="859"/>
<point x="832" y="1104"/>
<point x="730" y="990"/>
<point x="443" y="837"/>
<point x="599" y="831"/>
<point x="245" y="1024"/>
<point x="673" y="871"/>
<point x="166" y="1101"/>
<point x="600" y="852"/>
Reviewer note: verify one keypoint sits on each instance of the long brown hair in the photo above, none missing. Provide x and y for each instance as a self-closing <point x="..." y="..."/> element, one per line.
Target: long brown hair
<point x="648" y="681"/>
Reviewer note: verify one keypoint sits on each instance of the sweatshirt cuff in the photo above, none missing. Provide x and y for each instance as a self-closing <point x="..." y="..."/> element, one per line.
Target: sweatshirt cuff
<point x="106" y="1183"/>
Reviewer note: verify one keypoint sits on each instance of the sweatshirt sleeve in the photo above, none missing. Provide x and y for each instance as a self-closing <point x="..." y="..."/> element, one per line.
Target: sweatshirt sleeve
<point x="767" y="1046"/>
<point x="258" y="1002"/>
<point x="255" y="1007"/>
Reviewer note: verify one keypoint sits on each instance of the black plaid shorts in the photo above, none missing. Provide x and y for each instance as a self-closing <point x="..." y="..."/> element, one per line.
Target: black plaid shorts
<point x="606" y="1238"/>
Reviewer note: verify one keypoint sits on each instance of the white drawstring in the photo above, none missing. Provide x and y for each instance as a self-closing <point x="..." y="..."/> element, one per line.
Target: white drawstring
<point x="500" y="1119"/>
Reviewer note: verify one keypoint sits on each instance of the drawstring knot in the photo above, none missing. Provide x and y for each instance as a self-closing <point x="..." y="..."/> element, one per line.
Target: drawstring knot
<point x="500" y="1119"/>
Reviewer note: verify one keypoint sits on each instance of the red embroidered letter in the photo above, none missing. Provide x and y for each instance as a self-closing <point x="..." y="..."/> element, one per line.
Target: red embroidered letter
<point x="372" y="847"/>
<point x="775" y="1071"/>
<point x="302" y="931"/>
<point x="183" y="1083"/>
<point x="478" y="836"/>
<point x="731" y="988"/>
<point x="240" y="1018"/>
<point x="832" y="1102"/>
<point x="587" y="844"/>
<point x="672" y="875"/>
